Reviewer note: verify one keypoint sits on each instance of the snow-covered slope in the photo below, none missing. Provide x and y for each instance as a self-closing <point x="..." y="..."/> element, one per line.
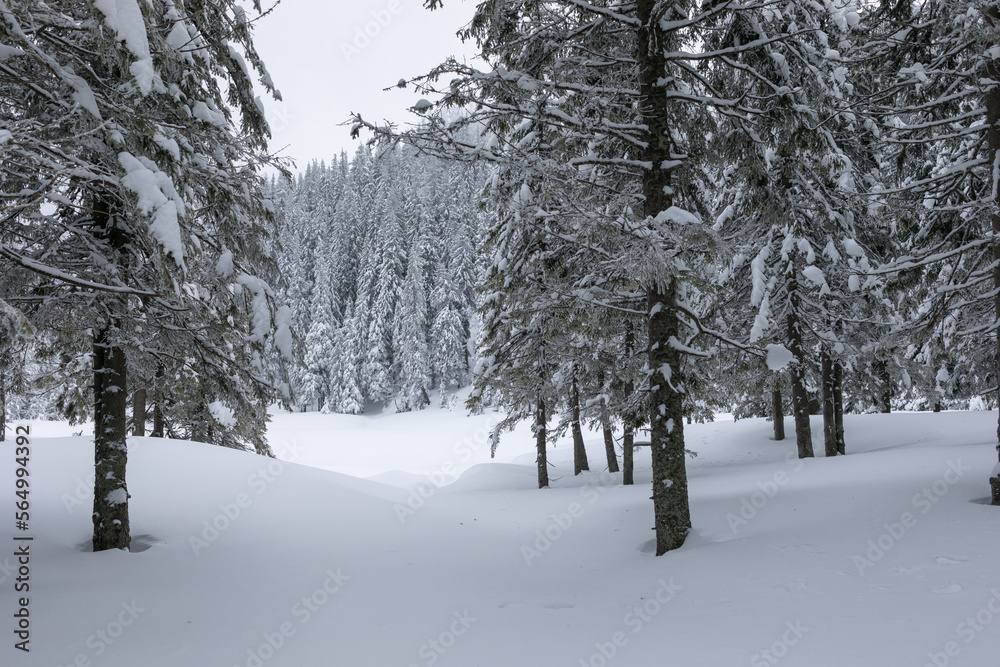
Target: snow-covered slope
<point x="885" y="557"/>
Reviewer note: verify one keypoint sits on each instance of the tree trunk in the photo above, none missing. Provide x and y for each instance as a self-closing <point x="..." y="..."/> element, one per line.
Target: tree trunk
<point x="992" y="14"/>
<point x="98" y="387"/>
<point x="670" y="495"/>
<point x="579" y="451"/>
<point x="671" y="511"/>
<point x="111" y="523"/>
<point x="158" y="426"/>
<point x="881" y="368"/>
<point x="628" y="428"/>
<point x="110" y="517"/>
<point x="3" y="410"/>
<point x="838" y="405"/>
<point x="829" y="407"/>
<point x="609" y="439"/>
<point x="628" y="460"/>
<point x="609" y="434"/>
<point x="139" y="412"/>
<point x="777" y="413"/>
<point x="157" y="431"/>
<point x="541" y="457"/>
<point x="200" y="421"/>
<point x="800" y="395"/>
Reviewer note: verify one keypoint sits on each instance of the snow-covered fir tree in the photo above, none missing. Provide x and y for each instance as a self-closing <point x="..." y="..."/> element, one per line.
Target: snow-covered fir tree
<point x="379" y="256"/>
<point x="132" y="148"/>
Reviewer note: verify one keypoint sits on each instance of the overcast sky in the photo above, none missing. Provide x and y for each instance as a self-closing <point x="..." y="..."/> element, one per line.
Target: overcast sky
<point x="331" y="57"/>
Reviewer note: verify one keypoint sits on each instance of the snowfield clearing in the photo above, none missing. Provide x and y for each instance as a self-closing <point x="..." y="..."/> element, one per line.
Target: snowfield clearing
<point x="361" y="549"/>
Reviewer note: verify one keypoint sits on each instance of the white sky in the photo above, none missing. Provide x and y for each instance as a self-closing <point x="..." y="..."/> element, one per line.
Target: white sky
<point x="325" y="71"/>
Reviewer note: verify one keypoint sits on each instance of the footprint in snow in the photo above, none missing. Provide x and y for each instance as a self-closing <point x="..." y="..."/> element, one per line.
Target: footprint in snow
<point x="559" y="605"/>
<point x="794" y="586"/>
<point x="951" y="588"/>
<point x="950" y="560"/>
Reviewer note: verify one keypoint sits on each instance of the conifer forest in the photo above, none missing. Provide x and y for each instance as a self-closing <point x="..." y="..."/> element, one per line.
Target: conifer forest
<point x="434" y="376"/>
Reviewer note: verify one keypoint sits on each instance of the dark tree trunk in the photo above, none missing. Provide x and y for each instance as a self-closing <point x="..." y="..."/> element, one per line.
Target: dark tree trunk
<point x="111" y="523"/>
<point x="671" y="511"/>
<point x="838" y="405"/>
<point x="628" y="428"/>
<point x="609" y="439"/>
<point x="200" y="423"/>
<point x="158" y="426"/>
<point x="157" y="431"/>
<point x="98" y="387"/>
<point x="628" y="459"/>
<point x="829" y="407"/>
<point x="992" y="13"/>
<point x="609" y="434"/>
<point x="110" y="517"/>
<point x="541" y="456"/>
<point x="3" y="410"/>
<point x="800" y="394"/>
<point x="579" y="451"/>
<point x="670" y="494"/>
<point x="881" y="368"/>
<point x="777" y="413"/>
<point x="629" y="421"/>
<point x="139" y="412"/>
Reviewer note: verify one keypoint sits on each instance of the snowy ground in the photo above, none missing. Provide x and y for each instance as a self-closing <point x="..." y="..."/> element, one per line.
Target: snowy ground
<point x="885" y="557"/>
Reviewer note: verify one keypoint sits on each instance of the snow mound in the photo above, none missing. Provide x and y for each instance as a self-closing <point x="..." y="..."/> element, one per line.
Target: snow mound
<point x="495" y="477"/>
<point x="236" y="554"/>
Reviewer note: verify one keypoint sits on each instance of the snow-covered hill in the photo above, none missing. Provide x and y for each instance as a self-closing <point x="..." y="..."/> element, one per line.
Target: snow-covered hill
<point x="884" y="557"/>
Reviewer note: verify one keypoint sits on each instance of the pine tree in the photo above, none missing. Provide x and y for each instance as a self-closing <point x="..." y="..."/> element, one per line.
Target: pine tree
<point x="410" y="337"/>
<point x="351" y="400"/>
<point x="789" y="200"/>
<point x="135" y="193"/>
<point x="937" y="104"/>
<point x="16" y="335"/>
<point x="594" y="111"/>
<point x="448" y="339"/>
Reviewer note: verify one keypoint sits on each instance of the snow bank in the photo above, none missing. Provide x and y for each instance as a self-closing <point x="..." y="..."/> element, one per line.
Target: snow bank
<point x="242" y="560"/>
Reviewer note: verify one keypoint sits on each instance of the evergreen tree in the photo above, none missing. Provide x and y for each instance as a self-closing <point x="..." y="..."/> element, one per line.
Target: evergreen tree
<point x="135" y="192"/>
<point x="410" y="337"/>
<point x="936" y="101"/>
